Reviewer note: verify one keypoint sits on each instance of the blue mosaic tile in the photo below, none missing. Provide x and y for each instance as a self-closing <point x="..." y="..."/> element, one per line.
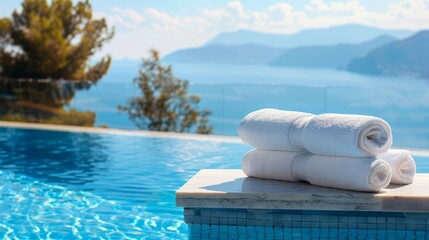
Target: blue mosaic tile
<point x="291" y="224"/>
<point x="306" y="218"/>
<point x="333" y="219"/>
<point x="314" y="218"/>
<point x="401" y="226"/>
<point x="205" y="220"/>
<point x="333" y="225"/>
<point x="241" y="222"/>
<point x="371" y="226"/>
<point x="371" y="220"/>
<point x="232" y="221"/>
<point x="277" y="223"/>
<point x="401" y="220"/>
<point x="324" y="224"/>
<point x="287" y="224"/>
<point x="287" y="217"/>
<point x="223" y="221"/>
<point x="232" y="214"/>
<point x="296" y="217"/>
<point x="381" y="226"/>
<point x="342" y="225"/>
<point x="242" y="214"/>
<point x="251" y="222"/>
<point x="215" y="221"/>
<point x="315" y="225"/>
<point x="242" y="231"/>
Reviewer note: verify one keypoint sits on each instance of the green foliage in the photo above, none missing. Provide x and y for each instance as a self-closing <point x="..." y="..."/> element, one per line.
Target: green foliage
<point x="53" y="41"/>
<point x="103" y="125"/>
<point x="165" y="104"/>
<point x="72" y="117"/>
<point x="44" y="58"/>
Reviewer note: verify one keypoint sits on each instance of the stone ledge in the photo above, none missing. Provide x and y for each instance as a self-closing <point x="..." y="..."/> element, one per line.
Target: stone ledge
<point x="230" y="188"/>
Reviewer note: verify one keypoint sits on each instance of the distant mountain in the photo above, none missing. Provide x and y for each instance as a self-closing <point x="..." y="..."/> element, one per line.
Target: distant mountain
<point x="246" y="47"/>
<point x="408" y="57"/>
<point x="351" y="33"/>
<point x="226" y="54"/>
<point x="336" y="56"/>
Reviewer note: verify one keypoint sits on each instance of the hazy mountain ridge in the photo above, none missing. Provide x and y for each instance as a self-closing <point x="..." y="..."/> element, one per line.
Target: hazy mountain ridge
<point x="404" y="58"/>
<point x="226" y="54"/>
<point x="350" y="33"/>
<point x="335" y="56"/>
<point x="356" y="48"/>
<point x="331" y="47"/>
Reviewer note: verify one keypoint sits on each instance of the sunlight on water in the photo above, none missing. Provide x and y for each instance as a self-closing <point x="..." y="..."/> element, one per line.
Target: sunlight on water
<point x="32" y="209"/>
<point x="63" y="185"/>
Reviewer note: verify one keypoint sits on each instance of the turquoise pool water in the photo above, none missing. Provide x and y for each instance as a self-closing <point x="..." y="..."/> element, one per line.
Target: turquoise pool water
<point x="65" y="185"/>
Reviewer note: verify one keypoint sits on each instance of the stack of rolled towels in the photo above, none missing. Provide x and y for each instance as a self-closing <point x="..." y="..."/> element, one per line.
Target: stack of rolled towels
<point x="332" y="150"/>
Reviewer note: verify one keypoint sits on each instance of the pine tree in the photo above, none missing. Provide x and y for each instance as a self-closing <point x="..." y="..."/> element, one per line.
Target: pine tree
<point x="164" y="103"/>
<point x="49" y="42"/>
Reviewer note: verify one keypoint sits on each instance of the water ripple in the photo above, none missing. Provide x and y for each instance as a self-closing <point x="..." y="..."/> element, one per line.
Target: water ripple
<point x="80" y="185"/>
<point x="45" y="211"/>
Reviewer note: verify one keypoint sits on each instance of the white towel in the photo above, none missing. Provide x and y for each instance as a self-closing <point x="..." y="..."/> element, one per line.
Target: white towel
<point x="367" y="174"/>
<point x="275" y="165"/>
<point x="269" y="129"/>
<point x="325" y="134"/>
<point x="402" y="164"/>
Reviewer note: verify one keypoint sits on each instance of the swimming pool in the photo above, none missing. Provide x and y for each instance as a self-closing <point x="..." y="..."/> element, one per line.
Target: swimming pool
<point x="71" y="185"/>
<point x="80" y="185"/>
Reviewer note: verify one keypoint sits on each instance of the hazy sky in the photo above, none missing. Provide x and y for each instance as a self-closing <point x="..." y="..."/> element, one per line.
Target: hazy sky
<point x="169" y="25"/>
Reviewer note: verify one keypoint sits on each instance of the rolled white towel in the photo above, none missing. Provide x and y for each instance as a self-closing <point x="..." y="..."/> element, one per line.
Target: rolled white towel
<point x="269" y="129"/>
<point x="325" y="134"/>
<point x="402" y="164"/>
<point x="275" y="165"/>
<point x="346" y="135"/>
<point x="367" y="174"/>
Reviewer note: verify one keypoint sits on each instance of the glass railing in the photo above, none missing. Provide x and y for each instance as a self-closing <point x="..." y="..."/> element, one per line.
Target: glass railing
<point x="406" y="108"/>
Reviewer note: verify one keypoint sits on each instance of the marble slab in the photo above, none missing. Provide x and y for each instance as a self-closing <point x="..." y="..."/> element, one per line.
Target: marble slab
<point x="230" y="188"/>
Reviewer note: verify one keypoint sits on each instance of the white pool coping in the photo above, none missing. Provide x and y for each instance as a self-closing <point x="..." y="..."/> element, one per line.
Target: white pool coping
<point x="64" y="128"/>
<point x="145" y="133"/>
<point x="231" y="188"/>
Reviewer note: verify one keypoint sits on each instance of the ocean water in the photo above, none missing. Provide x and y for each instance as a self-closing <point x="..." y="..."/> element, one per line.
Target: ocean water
<point x="232" y="91"/>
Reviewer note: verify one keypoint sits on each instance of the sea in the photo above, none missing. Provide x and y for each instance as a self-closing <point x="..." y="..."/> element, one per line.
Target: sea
<point x="232" y="91"/>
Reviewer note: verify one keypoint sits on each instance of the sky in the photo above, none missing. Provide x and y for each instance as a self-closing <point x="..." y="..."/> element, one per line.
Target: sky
<point x="169" y="25"/>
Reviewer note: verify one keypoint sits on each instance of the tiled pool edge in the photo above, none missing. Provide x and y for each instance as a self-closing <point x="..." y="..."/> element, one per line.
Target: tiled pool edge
<point x="206" y="223"/>
<point x="221" y="204"/>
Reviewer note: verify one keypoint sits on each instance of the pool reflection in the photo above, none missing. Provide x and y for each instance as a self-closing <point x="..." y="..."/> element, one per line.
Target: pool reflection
<point x="62" y="158"/>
